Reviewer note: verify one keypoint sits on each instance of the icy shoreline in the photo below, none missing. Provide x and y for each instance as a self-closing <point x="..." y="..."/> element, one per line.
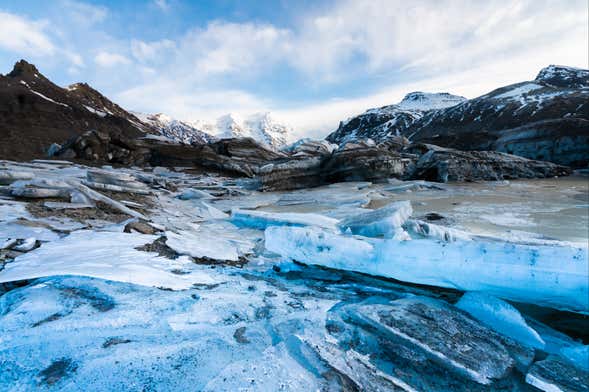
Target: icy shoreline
<point x="203" y="294"/>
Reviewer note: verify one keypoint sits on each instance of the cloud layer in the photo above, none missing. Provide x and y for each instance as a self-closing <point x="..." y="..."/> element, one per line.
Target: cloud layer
<point x="327" y="64"/>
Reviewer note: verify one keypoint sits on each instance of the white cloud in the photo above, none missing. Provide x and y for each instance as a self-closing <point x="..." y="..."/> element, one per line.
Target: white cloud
<point x="84" y="13"/>
<point x="162" y="4"/>
<point x="21" y="35"/>
<point x="231" y="47"/>
<point x="109" y="59"/>
<point x="150" y="51"/>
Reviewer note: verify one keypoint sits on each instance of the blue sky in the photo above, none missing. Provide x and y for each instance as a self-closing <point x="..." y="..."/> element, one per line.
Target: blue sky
<point x="311" y="63"/>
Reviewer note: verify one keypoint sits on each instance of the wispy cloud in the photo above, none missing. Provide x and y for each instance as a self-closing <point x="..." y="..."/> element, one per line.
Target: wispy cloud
<point x="108" y="59"/>
<point x="21" y="35"/>
<point x="456" y="46"/>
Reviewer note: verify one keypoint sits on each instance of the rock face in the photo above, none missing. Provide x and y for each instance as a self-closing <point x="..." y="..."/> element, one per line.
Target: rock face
<point x="446" y="164"/>
<point x="382" y="123"/>
<point x="545" y="119"/>
<point x="34" y="113"/>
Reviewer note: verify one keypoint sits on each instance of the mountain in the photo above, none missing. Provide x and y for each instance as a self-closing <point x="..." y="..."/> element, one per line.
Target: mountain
<point x="177" y="131"/>
<point x="34" y="113"/>
<point x="381" y="123"/>
<point x="543" y="119"/>
<point x="260" y="126"/>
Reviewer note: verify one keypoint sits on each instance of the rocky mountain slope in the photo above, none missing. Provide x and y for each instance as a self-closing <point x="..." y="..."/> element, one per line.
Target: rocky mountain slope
<point x="379" y="124"/>
<point x="34" y="113"/>
<point x="545" y="119"/>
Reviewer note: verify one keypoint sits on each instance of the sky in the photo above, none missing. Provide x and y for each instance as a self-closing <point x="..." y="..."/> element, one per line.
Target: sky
<point x="310" y="63"/>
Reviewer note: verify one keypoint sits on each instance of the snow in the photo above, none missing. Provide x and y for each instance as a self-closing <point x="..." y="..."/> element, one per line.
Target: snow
<point x="49" y="99"/>
<point x="262" y="220"/>
<point x="500" y="316"/>
<point x="385" y="221"/>
<point x="428" y="101"/>
<point x="104" y="255"/>
<point x="95" y="111"/>
<point x="517" y="92"/>
<point x="513" y="271"/>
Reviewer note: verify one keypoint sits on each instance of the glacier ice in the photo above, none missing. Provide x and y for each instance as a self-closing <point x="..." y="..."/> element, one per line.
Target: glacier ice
<point x="385" y="221"/>
<point x="315" y="246"/>
<point x="500" y="316"/>
<point x="106" y="255"/>
<point x="200" y="244"/>
<point x="578" y="355"/>
<point x="262" y="219"/>
<point x="514" y="271"/>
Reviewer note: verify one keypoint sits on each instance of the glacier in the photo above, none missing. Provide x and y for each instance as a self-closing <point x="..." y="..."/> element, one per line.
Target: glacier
<point x="500" y="316"/>
<point x="513" y="271"/>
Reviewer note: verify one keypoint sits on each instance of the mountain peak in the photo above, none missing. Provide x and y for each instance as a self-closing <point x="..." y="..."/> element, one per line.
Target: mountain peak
<point x="24" y="68"/>
<point x="419" y="100"/>
<point x="563" y="76"/>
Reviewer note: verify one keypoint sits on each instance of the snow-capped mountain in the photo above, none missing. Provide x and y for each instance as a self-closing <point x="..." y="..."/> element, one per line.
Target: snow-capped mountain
<point x="260" y="127"/>
<point x="543" y="119"/>
<point x="380" y="123"/>
<point x="176" y="130"/>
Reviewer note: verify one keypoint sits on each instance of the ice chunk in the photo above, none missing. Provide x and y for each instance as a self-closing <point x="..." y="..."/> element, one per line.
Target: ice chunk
<point x="9" y="176"/>
<point x="201" y="244"/>
<point x="262" y="219"/>
<point x="500" y="316"/>
<point x="435" y="232"/>
<point x="190" y="193"/>
<point x="555" y="375"/>
<point x="513" y="271"/>
<point x="105" y="255"/>
<point x="579" y="356"/>
<point x="315" y="246"/>
<point x="385" y="221"/>
<point x="27" y="244"/>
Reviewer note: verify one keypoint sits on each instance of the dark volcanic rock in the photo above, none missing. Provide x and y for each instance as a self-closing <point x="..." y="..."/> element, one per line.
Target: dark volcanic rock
<point x="545" y="119"/>
<point x="34" y="113"/>
<point x="445" y="164"/>
<point x="364" y="162"/>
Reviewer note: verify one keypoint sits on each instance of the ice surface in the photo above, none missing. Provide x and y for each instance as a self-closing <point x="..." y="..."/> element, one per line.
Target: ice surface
<point x="15" y="230"/>
<point x="105" y="255"/>
<point x="201" y="244"/>
<point x="500" y="316"/>
<point x="262" y="219"/>
<point x="384" y="222"/>
<point x="578" y="355"/>
<point x="513" y="271"/>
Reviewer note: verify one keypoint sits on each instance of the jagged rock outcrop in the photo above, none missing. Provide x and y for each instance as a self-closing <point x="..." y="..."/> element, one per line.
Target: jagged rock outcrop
<point x="446" y="164"/>
<point x="380" y="124"/>
<point x="363" y="161"/>
<point x="34" y="113"/>
<point x="544" y="119"/>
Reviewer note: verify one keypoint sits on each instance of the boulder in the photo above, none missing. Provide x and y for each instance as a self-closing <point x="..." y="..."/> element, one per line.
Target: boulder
<point x="447" y="164"/>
